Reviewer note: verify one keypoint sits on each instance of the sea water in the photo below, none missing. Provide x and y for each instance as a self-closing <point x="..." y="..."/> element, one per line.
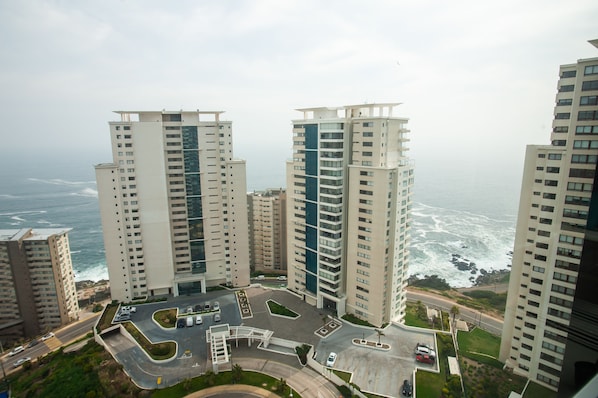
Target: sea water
<point x="451" y="214"/>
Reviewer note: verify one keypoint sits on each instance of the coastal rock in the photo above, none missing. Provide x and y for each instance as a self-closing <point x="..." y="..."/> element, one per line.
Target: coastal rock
<point x="463" y="264"/>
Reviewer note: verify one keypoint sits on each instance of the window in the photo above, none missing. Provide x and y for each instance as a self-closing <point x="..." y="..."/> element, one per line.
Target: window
<point x="588" y="100"/>
<point x="578" y="186"/>
<point x="553" y="169"/>
<point x="589" y="85"/>
<point x="584" y="159"/>
<point x="565" y="101"/>
<point x="590" y="70"/>
<point x="551" y="183"/>
<point x="566" y="88"/>
<point x="586" y="115"/>
<point x="568" y="73"/>
<point x="564" y="116"/>
<point x="559" y="142"/>
<point x="580" y="130"/>
<point x="582" y="173"/>
<point x="366" y="153"/>
<point x="585" y="144"/>
<point x="560" y="129"/>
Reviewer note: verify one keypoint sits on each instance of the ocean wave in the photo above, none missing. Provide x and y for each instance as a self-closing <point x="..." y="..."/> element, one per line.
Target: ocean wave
<point x="437" y="234"/>
<point x="95" y="272"/>
<point x="17" y="213"/>
<point x="58" y="181"/>
<point x="9" y="196"/>
<point x="87" y="192"/>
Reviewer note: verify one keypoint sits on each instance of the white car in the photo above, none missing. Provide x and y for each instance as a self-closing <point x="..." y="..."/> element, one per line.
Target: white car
<point x="198" y="320"/>
<point x="282" y="278"/>
<point x="216" y="306"/>
<point x="47" y="336"/>
<point x="16" y="350"/>
<point x="331" y="359"/>
<point x="21" y="361"/>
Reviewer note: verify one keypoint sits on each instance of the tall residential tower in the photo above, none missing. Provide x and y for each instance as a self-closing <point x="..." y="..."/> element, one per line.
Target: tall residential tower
<point x="348" y="210"/>
<point x="173" y="205"/>
<point x="37" y="282"/>
<point x="267" y="230"/>
<point x="555" y="241"/>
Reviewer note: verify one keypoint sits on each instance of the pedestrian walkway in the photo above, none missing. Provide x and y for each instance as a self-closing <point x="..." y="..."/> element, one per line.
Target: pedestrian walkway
<point x="225" y="391"/>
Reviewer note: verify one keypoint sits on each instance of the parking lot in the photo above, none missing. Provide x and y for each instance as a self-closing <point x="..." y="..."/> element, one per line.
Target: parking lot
<point x="373" y="370"/>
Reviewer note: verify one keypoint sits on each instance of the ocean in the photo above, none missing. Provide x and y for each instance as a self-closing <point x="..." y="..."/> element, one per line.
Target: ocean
<point x="454" y="213"/>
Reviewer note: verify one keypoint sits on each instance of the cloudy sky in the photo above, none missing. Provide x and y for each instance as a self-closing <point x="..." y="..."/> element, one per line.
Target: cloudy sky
<point x="476" y="78"/>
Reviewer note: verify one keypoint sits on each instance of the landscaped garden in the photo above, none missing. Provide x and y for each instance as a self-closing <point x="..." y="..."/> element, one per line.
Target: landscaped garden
<point x="164" y="350"/>
<point x="535" y="390"/>
<point x="480" y="346"/>
<point x="166" y="318"/>
<point x="279" y="309"/>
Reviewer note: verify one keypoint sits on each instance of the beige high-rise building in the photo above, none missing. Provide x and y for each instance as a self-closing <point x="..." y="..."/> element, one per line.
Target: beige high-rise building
<point x="37" y="282"/>
<point x="173" y="205"/>
<point x="348" y="210"/>
<point x="555" y="236"/>
<point x="267" y="230"/>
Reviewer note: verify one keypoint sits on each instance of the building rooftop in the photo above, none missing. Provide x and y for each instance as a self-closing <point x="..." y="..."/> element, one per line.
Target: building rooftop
<point x="31" y="234"/>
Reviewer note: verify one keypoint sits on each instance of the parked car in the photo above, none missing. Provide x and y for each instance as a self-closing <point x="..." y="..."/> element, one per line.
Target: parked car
<point x="180" y="323"/>
<point x="119" y="318"/>
<point x="282" y="278"/>
<point x="207" y="306"/>
<point x="198" y="320"/>
<point x="32" y="343"/>
<point x="189" y="309"/>
<point x="190" y="321"/>
<point x="21" y="361"/>
<point x="198" y="307"/>
<point x="331" y="359"/>
<point x="407" y="388"/>
<point x="216" y="306"/>
<point x="127" y="309"/>
<point x="16" y="350"/>
<point x="423" y="358"/>
<point x="216" y="317"/>
<point x="260" y="277"/>
<point x="423" y="349"/>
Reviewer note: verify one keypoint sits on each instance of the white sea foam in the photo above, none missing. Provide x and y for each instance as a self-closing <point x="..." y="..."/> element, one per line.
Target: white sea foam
<point x="438" y="233"/>
<point x="87" y="192"/>
<point x="58" y="181"/>
<point x="94" y="273"/>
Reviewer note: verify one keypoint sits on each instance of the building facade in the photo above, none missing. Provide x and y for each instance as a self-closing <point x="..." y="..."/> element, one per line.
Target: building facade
<point x="349" y="188"/>
<point x="267" y="231"/>
<point x="37" y="282"/>
<point x="173" y="205"/>
<point x="551" y="236"/>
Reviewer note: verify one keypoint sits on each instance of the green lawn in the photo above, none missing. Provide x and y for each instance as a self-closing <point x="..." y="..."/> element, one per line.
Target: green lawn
<point x="537" y="391"/>
<point x="198" y="383"/>
<point x="478" y="341"/>
<point x="280" y="309"/>
<point x="413" y="316"/>
<point x="430" y="384"/>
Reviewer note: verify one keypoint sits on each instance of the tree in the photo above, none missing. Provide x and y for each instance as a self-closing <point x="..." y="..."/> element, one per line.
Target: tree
<point x="380" y="334"/>
<point x="210" y="377"/>
<point x="237" y="373"/>
<point x="454" y="312"/>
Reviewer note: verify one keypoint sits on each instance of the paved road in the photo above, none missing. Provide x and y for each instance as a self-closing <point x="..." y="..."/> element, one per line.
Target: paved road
<point x="62" y="337"/>
<point x="486" y="322"/>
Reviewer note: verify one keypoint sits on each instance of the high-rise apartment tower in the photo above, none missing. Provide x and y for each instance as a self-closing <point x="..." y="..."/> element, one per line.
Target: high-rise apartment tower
<point x="267" y="230"/>
<point x="173" y="205"/>
<point x="555" y="242"/>
<point x="37" y="282"/>
<point x="348" y="210"/>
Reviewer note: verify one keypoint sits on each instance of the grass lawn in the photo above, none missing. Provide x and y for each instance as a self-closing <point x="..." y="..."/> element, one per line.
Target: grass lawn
<point x="166" y="318"/>
<point x="223" y="378"/>
<point x="413" y="319"/>
<point x="280" y="309"/>
<point x="430" y="384"/>
<point x="537" y="391"/>
<point x="346" y="376"/>
<point x="107" y="317"/>
<point x="157" y="351"/>
<point x="478" y="341"/>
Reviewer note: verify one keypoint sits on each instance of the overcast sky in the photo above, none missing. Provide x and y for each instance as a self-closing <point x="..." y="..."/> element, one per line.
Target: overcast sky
<point x="477" y="79"/>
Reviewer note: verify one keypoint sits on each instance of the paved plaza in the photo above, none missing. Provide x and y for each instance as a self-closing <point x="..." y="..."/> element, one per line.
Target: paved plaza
<point x="374" y="370"/>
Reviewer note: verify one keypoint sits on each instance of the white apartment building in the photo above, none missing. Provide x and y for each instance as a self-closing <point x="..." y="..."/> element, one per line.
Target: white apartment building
<point x="37" y="282"/>
<point x="551" y="236"/>
<point x="349" y="189"/>
<point x="173" y="205"/>
<point x="267" y="231"/>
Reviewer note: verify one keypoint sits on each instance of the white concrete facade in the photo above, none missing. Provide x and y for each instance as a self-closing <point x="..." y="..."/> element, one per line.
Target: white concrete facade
<point x="349" y="189"/>
<point x="555" y="197"/>
<point x="267" y="217"/>
<point x="173" y="205"/>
